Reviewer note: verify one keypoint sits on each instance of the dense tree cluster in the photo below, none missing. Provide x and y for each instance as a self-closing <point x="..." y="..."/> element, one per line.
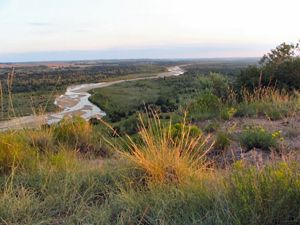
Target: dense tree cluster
<point x="280" y="68"/>
<point x="43" y="78"/>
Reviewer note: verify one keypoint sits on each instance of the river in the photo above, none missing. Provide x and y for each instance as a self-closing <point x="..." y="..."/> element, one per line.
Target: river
<point x="75" y="101"/>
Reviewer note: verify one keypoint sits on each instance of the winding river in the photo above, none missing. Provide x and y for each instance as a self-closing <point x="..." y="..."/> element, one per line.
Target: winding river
<point x="75" y="101"/>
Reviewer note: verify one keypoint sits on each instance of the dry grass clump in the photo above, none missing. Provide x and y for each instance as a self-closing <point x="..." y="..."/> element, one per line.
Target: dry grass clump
<point x="268" y="101"/>
<point x="165" y="158"/>
<point x="266" y="94"/>
<point x="41" y="140"/>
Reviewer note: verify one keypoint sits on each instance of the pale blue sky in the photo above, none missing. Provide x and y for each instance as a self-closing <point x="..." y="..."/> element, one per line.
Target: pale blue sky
<point x="87" y="29"/>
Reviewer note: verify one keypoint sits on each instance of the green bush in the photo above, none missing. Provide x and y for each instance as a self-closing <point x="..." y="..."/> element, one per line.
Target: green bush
<point x="279" y="68"/>
<point x="222" y="140"/>
<point x="78" y="134"/>
<point x="128" y="126"/>
<point x="178" y="129"/>
<point x="246" y="110"/>
<point x="206" y="106"/>
<point x="72" y="130"/>
<point x="227" y="113"/>
<point x="220" y="85"/>
<point x="258" y="137"/>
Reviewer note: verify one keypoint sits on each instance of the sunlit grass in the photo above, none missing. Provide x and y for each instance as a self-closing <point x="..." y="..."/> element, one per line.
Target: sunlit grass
<point x="165" y="178"/>
<point x="15" y="152"/>
<point x="270" y="102"/>
<point x="166" y="158"/>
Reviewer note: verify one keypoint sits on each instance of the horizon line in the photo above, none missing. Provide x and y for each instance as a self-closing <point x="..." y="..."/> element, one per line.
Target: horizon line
<point x="132" y="59"/>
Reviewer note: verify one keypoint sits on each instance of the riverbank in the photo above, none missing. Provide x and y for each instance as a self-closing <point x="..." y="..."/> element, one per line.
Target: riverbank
<point x="75" y="101"/>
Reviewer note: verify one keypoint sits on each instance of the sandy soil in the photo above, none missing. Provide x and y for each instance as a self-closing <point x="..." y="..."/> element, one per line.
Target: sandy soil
<point x="289" y="146"/>
<point x="24" y="122"/>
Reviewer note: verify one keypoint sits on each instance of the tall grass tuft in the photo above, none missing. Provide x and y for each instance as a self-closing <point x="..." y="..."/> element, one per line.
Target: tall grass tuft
<point x="268" y="195"/>
<point x="268" y="101"/>
<point x="266" y="94"/>
<point x="165" y="158"/>
<point x="15" y="152"/>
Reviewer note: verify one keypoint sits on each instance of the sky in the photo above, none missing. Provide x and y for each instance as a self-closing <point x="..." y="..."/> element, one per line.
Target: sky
<point x="38" y="30"/>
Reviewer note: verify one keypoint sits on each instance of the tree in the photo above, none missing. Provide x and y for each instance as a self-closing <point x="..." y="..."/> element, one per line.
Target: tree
<point x="280" y="68"/>
<point x="280" y="54"/>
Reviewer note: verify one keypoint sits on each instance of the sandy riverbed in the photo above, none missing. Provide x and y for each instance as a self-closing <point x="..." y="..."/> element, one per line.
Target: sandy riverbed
<point x="75" y="102"/>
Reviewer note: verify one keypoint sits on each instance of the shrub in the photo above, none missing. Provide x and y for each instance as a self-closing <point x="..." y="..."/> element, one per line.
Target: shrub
<point x="128" y="126"/>
<point x="220" y="85"/>
<point x="227" y="113"/>
<point x="279" y="68"/>
<point x="222" y="140"/>
<point x="74" y="132"/>
<point x="71" y="129"/>
<point x="258" y="137"/>
<point x="206" y="106"/>
<point x="249" y="78"/>
<point x="77" y="134"/>
<point x="287" y="74"/>
<point x="178" y="128"/>
<point x="166" y="104"/>
<point x="246" y="110"/>
<point x="63" y="160"/>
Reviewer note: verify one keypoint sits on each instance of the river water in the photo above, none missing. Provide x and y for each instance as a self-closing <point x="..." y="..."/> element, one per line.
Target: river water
<point x="75" y="101"/>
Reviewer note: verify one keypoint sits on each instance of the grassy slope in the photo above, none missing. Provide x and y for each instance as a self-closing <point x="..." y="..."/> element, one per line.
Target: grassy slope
<point x="66" y="175"/>
<point x="69" y="187"/>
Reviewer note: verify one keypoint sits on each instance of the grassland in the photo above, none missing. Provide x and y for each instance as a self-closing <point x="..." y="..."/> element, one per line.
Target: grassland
<point x="183" y="150"/>
<point x="168" y="173"/>
<point x="69" y="174"/>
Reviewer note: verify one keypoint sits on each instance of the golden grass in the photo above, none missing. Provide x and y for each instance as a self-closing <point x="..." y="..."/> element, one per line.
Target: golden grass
<point x="165" y="158"/>
<point x="267" y="94"/>
<point x="15" y="152"/>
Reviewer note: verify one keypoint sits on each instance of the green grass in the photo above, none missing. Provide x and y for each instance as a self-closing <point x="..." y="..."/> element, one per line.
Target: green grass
<point x="125" y="97"/>
<point x="162" y="179"/>
<point x="76" y="173"/>
<point x="222" y="140"/>
<point x="28" y="103"/>
<point x="116" y="194"/>
<point x="130" y="97"/>
<point x="268" y="102"/>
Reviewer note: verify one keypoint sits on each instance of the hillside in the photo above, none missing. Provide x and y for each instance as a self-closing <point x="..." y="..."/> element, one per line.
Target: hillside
<point x="200" y="148"/>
